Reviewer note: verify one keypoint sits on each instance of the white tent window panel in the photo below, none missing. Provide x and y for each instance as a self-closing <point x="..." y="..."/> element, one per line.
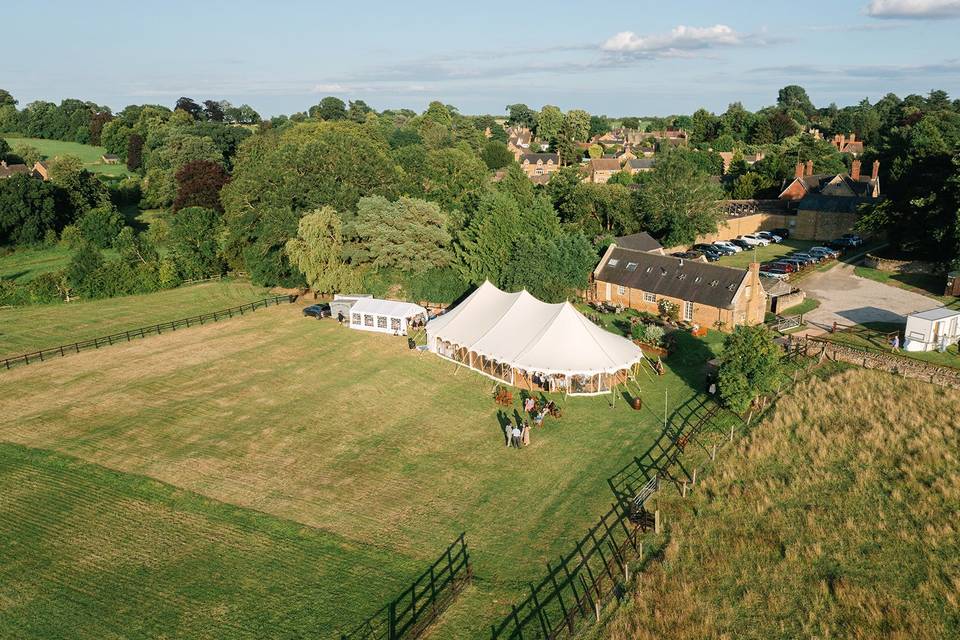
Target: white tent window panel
<point x="367" y="320"/>
<point x="395" y="324"/>
<point x="355" y="318"/>
<point x="381" y="322"/>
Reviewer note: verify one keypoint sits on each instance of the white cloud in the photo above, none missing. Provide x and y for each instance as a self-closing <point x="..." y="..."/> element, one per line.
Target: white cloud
<point x="680" y="39"/>
<point x="914" y="9"/>
<point x="333" y="87"/>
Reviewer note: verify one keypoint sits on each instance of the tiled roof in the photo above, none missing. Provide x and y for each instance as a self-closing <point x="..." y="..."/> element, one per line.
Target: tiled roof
<point x="544" y="157"/>
<point x="642" y="241"/>
<point x="605" y="164"/>
<point x="691" y="280"/>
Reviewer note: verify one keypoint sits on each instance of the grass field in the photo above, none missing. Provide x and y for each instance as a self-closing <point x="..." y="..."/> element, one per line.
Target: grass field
<point x="26" y="263"/>
<point x="836" y="518"/>
<point x="29" y="328"/>
<point x="349" y="436"/>
<point x="89" y="154"/>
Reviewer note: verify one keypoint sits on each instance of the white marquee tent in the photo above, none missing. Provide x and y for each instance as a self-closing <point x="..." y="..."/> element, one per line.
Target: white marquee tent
<point x="531" y="344"/>
<point x="385" y="316"/>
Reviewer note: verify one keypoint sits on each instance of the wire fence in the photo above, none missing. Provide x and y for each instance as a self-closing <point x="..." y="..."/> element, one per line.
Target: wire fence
<point x="410" y="613"/>
<point x="140" y="332"/>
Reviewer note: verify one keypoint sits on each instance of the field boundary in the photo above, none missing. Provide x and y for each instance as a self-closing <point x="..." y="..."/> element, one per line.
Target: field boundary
<point x="597" y="570"/>
<point x="411" y="613"/>
<point x="64" y="350"/>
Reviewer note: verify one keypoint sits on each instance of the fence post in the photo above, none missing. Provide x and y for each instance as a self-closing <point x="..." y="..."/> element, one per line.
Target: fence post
<point x="61" y="351"/>
<point x="556" y="588"/>
<point x="392" y="621"/>
<point x="541" y="616"/>
<point x="656" y="521"/>
<point x="158" y="329"/>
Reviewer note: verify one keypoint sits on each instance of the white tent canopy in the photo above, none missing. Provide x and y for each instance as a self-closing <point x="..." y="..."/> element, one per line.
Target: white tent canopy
<point x="515" y="331"/>
<point x="385" y="316"/>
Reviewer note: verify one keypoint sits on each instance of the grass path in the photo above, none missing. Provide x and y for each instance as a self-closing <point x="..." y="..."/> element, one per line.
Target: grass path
<point x="346" y="432"/>
<point x="29" y="328"/>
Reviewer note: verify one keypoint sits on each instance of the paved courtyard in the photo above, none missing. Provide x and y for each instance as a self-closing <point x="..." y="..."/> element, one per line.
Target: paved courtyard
<point x="846" y="298"/>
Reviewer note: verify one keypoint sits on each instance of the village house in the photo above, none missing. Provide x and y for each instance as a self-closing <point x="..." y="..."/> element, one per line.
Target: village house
<point x="704" y="294"/>
<point x="110" y="158"/>
<point x="640" y="165"/>
<point x="518" y="141"/>
<point x="539" y="166"/>
<point x="750" y="158"/>
<point x="642" y="241"/>
<point x="10" y="170"/>
<point x="601" y="169"/>
<point x="848" y="145"/>
<point x="853" y="185"/>
<point x="41" y="168"/>
<point x="625" y="154"/>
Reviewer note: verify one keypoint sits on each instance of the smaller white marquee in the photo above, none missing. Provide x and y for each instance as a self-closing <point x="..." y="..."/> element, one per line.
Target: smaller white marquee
<point x="384" y="316"/>
<point x="932" y="329"/>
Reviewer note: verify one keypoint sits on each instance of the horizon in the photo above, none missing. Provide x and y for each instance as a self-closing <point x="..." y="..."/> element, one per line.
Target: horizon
<point x="284" y="65"/>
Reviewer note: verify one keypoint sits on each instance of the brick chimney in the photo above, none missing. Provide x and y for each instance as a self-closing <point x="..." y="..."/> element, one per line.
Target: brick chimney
<point x="798" y="171"/>
<point x="853" y="137"/>
<point x="809" y="170"/>
<point x="855" y="170"/>
<point x="876" y="170"/>
<point x="841" y="140"/>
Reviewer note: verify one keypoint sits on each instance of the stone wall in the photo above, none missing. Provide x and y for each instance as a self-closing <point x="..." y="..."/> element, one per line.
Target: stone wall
<point x="790" y="300"/>
<point x="899" y="266"/>
<point x="823" y="225"/>
<point x="889" y="362"/>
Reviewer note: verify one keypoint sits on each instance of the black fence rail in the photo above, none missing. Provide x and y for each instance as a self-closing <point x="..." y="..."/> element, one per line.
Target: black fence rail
<point x="140" y="332"/>
<point x="591" y="575"/>
<point x="410" y="613"/>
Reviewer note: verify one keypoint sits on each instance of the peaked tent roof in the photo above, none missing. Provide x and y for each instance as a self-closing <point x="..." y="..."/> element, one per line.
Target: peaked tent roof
<point x="529" y="334"/>
<point x="391" y="308"/>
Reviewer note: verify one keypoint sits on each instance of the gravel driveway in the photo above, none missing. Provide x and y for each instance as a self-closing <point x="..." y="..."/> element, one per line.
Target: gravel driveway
<point x="846" y="298"/>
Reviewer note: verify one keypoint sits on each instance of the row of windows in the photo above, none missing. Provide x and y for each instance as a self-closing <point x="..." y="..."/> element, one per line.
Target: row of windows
<point x="381" y="321"/>
<point x="652" y="299"/>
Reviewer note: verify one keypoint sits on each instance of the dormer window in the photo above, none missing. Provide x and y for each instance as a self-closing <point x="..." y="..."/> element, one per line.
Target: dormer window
<point x="613" y="262"/>
<point x="631" y="266"/>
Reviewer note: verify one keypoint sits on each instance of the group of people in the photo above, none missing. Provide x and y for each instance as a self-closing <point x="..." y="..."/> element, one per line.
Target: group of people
<point x="517" y="435"/>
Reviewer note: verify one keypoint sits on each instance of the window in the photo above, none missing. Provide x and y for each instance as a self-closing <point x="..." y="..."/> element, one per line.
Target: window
<point x="649" y="297"/>
<point x="621" y="290"/>
<point x="367" y="320"/>
<point x="539" y="171"/>
<point x="395" y="324"/>
<point x="613" y="262"/>
<point x="381" y="322"/>
<point x="631" y="266"/>
<point x="688" y="311"/>
<point x="354" y="318"/>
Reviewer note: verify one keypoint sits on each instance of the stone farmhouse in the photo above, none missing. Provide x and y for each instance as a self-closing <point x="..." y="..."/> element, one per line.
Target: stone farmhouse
<point x="601" y="169"/>
<point x="539" y="166"/>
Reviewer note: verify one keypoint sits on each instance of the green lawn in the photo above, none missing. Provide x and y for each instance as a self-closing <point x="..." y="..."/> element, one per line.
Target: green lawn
<point x="873" y="337"/>
<point x="339" y="435"/>
<point x="30" y="328"/>
<point x="89" y="154"/>
<point x="26" y="263"/>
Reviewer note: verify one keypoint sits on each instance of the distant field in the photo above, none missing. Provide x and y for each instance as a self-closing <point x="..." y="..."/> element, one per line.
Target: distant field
<point x="26" y="263"/>
<point x="89" y="154"/>
<point x="348" y="434"/>
<point x="836" y="518"/>
<point x="35" y="327"/>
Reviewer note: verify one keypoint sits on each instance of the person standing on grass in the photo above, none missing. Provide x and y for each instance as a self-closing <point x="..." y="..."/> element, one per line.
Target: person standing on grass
<point x="526" y="433"/>
<point x="895" y="343"/>
<point x="340" y="317"/>
<point x="516" y="437"/>
<point x="508" y="432"/>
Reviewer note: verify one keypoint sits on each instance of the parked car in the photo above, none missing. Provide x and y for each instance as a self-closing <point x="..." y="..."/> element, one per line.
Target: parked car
<point x="743" y="244"/>
<point x="789" y="266"/>
<point x="782" y="232"/>
<point x="772" y="237"/>
<point x="317" y="311"/>
<point x="712" y="255"/>
<point x="780" y="275"/>
<point x="687" y="255"/>
<point x="726" y="248"/>
<point x="703" y="247"/>
<point x="826" y="251"/>
<point x="811" y="258"/>
<point x="754" y="240"/>
<point x="853" y="238"/>
<point x="800" y="264"/>
<point x="843" y="243"/>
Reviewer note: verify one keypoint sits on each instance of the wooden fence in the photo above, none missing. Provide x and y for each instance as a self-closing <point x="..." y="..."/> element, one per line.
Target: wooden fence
<point x="140" y="332"/>
<point x="410" y="613"/>
<point x="595" y="571"/>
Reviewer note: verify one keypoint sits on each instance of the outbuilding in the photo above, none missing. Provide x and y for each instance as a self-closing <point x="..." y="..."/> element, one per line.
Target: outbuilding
<point x="385" y="316"/>
<point x="932" y="329"/>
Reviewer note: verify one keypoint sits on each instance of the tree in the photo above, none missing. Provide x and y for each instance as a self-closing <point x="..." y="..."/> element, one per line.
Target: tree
<point x="189" y="107"/>
<point x="794" y="97"/>
<point x="600" y="209"/>
<point x="317" y="251"/>
<point x="549" y="121"/>
<point x="29" y="154"/>
<point x="595" y="151"/>
<point x="521" y="115"/>
<point x="28" y="209"/>
<point x="736" y="122"/>
<point x="782" y="126"/>
<point x="329" y="108"/>
<point x="6" y="99"/>
<point x="578" y="125"/>
<point x="194" y="241"/>
<point x="749" y="366"/>
<point x="213" y="111"/>
<point x="454" y="179"/>
<point x="630" y="122"/>
<point x="134" y="152"/>
<point x="198" y="185"/>
<point x="96" y="126"/>
<point x="83" y="270"/>
<point x="100" y="226"/>
<point x="677" y="202"/>
<point x="408" y="234"/>
<point x="496" y="155"/>
<point x="703" y="126"/>
<point x="82" y="189"/>
<point x="438" y="113"/>
<point x="358" y="111"/>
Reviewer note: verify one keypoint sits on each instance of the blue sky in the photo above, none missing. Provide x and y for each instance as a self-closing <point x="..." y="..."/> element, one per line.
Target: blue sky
<point x="617" y="58"/>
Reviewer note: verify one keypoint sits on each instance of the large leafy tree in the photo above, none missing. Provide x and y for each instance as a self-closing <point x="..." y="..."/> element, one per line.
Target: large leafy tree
<point x="496" y="155"/>
<point x="329" y="108"/>
<point x="598" y="209"/>
<point x="317" y="252"/>
<point x="198" y="185"/>
<point x="409" y="234"/>
<point x="794" y="98"/>
<point x="100" y="226"/>
<point x="578" y="124"/>
<point x="677" y="202"/>
<point x="549" y="121"/>
<point x="28" y="209"/>
<point x="83" y="190"/>
<point x="749" y="366"/>
<point x="194" y="241"/>
<point x="521" y="115"/>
